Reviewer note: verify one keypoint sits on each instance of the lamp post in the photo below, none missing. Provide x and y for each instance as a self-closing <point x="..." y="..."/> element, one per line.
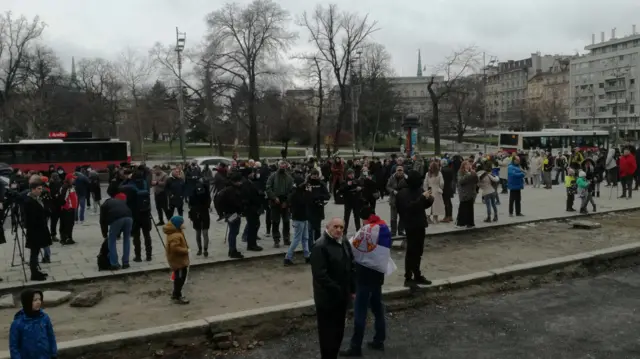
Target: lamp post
<point x="181" y="38"/>
<point x="354" y="104"/>
<point x="492" y="61"/>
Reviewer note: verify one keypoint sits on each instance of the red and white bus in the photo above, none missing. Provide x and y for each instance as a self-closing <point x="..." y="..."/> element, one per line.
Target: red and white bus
<point x="68" y="153"/>
<point x="553" y="139"/>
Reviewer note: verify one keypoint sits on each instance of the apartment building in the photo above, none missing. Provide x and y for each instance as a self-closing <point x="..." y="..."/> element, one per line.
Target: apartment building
<point x="507" y="89"/>
<point x="604" y="85"/>
<point x="548" y="97"/>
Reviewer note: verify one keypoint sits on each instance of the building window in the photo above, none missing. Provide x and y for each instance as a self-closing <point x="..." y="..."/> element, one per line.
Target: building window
<point x="621" y="57"/>
<point x="632" y="108"/>
<point x="414" y="94"/>
<point x="632" y="81"/>
<point x="421" y="93"/>
<point x="601" y="85"/>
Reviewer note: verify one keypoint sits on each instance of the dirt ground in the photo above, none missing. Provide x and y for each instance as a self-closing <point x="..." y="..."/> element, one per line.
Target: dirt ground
<point x="143" y="301"/>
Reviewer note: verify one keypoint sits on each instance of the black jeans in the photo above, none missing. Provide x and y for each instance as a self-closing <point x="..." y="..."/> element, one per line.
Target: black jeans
<point x="267" y="218"/>
<point x="162" y="206"/>
<point x="33" y="260"/>
<point x="515" y="196"/>
<point x="53" y="224"/>
<point x="252" y="226"/>
<point x="278" y="213"/>
<point x="314" y="230"/>
<point x="350" y="207"/>
<point x="180" y="277"/>
<point x="331" y="329"/>
<point x="414" y="251"/>
<point x="67" y="221"/>
<point x="141" y="223"/>
<point x="627" y="183"/>
<point x="448" y="206"/>
<point x="465" y="214"/>
<point x="570" y="199"/>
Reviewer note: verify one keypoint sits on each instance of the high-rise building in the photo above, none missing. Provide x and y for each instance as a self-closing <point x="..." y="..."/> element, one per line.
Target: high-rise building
<point x="604" y="85"/>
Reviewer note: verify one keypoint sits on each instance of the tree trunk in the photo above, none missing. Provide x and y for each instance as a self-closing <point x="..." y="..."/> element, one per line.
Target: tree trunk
<point x="375" y="133"/>
<point x="342" y="115"/>
<point x="459" y="127"/>
<point x="319" y="120"/>
<point x="254" y="146"/>
<point x="220" y="146"/>
<point x="435" y="127"/>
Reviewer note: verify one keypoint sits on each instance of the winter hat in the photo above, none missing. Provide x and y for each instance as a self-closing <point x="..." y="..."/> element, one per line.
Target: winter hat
<point x="582" y="174"/>
<point x="26" y="298"/>
<point x="121" y="196"/>
<point x="571" y="172"/>
<point x="350" y="171"/>
<point x="69" y="177"/>
<point x="177" y="221"/>
<point x="414" y="180"/>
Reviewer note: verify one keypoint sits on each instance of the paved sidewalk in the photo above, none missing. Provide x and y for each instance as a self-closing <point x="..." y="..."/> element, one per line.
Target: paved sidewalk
<point x="79" y="261"/>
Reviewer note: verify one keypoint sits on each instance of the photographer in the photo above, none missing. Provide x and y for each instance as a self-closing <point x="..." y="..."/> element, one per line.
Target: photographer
<point x="199" y="204"/>
<point x="38" y="235"/>
<point x="319" y="197"/>
<point x="412" y="203"/>
<point x="279" y="185"/>
<point x="229" y="203"/>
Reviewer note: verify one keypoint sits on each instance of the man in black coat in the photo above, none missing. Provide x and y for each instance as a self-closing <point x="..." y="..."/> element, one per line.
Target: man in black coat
<point x="332" y="269"/>
<point x="412" y="202"/>
<point x="38" y="235"/>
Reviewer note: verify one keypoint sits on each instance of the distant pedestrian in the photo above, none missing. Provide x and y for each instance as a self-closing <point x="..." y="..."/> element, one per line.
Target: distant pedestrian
<point x="31" y="335"/>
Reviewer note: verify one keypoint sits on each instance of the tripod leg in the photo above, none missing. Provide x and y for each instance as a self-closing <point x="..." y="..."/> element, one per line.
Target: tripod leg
<point x="153" y="222"/>
<point x="13" y="257"/>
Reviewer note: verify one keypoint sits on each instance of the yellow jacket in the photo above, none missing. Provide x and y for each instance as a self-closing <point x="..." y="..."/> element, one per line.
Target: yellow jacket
<point x="177" y="249"/>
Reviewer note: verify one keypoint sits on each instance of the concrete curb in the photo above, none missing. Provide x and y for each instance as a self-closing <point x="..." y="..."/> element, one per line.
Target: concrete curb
<point x="200" y="330"/>
<point x="163" y="267"/>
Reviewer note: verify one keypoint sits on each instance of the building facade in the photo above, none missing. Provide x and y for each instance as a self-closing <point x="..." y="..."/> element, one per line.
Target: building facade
<point x="604" y="86"/>
<point x="507" y="90"/>
<point x="548" y="97"/>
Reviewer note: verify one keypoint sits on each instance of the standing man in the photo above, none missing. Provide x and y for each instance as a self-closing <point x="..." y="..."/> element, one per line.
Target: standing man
<point x="279" y="185"/>
<point x="333" y="286"/>
<point x="515" y="183"/>
<point x="158" y="182"/>
<point x="412" y="202"/>
<point x="38" y="235"/>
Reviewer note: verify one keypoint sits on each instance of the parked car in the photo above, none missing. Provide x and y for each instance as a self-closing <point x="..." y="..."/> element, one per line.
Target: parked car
<point x="212" y="161"/>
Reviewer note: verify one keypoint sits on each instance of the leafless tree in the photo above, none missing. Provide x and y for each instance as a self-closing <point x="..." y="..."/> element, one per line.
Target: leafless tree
<point x="16" y="36"/>
<point x="253" y="39"/>
<point x="338" y="36"/>
<point x="467" y="104"/>
<point x="453" y="69"/>
<point x="134" y="70"/>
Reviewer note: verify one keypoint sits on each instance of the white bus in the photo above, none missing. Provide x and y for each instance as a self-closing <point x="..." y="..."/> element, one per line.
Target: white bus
<point x="553" y="139"/>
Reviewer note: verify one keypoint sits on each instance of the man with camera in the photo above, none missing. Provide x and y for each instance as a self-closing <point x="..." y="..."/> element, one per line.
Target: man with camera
<point x="230" y="204"/>
<point x="139" y="201"/>
<point x="319" y="197"/>
<point x="38" y="235"/>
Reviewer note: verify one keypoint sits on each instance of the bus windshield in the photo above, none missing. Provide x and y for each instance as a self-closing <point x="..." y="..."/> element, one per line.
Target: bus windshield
<point x="509" y="139"/>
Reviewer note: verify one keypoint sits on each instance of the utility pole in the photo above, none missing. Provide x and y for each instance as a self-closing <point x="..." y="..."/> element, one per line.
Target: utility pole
<point x="181" y="38"/>
<point x="354" y="104"/>
<point x="492" y="60"/>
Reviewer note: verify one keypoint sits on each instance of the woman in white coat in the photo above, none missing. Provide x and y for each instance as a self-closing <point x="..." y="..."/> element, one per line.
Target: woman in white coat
<point x="435" y="182"/>
<point x="535" y="169"/>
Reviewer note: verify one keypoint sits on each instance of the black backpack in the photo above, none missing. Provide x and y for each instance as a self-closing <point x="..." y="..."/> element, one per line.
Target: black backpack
<point x="200" y="189"/>
<point x="143" y="199"/>
<point x="103" y="256"/>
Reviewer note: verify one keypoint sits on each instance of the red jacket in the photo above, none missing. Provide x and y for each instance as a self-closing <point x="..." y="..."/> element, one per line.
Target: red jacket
<point x="628" y="165"/>
<point x="70" y="199"/>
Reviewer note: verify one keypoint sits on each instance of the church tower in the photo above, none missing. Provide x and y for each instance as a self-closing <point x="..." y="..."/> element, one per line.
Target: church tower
<point x="419" y="64"/>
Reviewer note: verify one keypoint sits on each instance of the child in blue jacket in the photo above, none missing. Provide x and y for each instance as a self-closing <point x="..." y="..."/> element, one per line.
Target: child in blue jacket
<point x="31" y="335"/>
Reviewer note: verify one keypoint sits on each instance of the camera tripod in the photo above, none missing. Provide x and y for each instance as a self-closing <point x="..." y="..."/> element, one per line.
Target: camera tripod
<point x="19" y="238"/>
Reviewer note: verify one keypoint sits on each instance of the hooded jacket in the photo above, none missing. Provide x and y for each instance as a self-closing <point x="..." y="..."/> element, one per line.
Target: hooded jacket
<point x="31" y="335"/>
<point x="177" y="249"/>
<point x="610" y="162"/>
<point x="411" y="203"/>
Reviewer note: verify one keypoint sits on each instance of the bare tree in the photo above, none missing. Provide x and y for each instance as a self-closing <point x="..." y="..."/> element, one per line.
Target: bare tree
<point x="338" y="37"/>
<point x="16" y="36"/>
<point x="453" y="70"/>
<point x="134" y="70"/>
<point x="253" y="38"/>
<point x="467" y="104"/>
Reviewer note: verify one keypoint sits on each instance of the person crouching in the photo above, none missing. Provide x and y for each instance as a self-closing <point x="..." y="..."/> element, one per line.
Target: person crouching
<point x="177" y="251"/>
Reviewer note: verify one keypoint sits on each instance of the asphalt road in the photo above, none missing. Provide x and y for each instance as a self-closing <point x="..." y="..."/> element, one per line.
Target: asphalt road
<point x="588" y="318"/>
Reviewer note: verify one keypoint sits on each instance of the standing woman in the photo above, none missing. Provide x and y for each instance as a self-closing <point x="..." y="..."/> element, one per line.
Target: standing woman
<point x="435" y="182"/>
<point x="467" y="181"/>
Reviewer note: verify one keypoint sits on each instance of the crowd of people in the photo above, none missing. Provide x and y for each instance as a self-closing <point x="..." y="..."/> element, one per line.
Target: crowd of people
<point x="292" y="195"/>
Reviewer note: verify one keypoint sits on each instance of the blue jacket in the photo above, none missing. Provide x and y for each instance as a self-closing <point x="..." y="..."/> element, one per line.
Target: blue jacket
<point x="82" y="184"/>
<point x="515" y="177"/>
<point x="32" y="337"/>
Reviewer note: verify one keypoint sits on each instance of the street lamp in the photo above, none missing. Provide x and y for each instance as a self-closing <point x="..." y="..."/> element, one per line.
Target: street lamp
<point x="181" y="38"/>
<point x="354" y="104"/>
<point x="492" y="61"/>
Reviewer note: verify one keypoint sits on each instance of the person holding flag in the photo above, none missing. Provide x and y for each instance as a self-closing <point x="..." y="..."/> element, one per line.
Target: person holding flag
<point x="371" y="248"/>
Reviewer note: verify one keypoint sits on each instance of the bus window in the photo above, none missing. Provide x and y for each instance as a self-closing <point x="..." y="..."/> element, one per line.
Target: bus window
<point x="508" y="139"/>
<point x="7" y="155"/>
<point x="531" y="143"/>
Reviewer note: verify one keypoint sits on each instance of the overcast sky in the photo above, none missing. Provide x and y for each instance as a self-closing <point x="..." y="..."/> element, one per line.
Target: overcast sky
<point x="508" y="29"/>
